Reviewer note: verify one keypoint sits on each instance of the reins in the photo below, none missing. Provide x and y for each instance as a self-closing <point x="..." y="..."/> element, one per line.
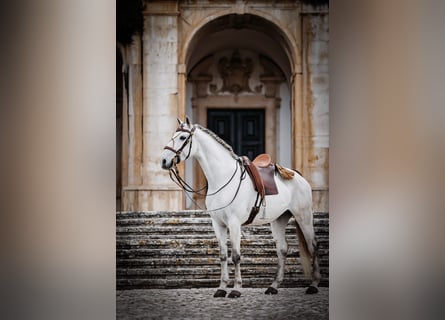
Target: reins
<point x="176" y="178"/>
<point x="186" y="187"/>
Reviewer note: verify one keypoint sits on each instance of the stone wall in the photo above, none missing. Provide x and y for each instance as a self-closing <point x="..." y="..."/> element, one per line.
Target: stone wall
<point x="176" y="36"/>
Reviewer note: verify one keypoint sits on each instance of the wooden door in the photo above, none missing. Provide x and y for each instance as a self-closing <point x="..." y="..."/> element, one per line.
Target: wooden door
<point x="243" y="129"/>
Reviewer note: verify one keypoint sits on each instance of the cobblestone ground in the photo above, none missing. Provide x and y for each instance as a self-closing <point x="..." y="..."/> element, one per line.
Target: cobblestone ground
<point x="289" y="303"/>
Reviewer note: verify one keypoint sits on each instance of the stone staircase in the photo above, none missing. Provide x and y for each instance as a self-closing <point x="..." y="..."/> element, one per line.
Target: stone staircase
<point x="179" y="250"/>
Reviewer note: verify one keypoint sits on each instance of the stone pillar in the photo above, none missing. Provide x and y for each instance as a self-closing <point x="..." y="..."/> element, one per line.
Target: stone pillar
<point x="160" y="104"/>
<point x="131" y="124"/>
<point x="316" y="104"/>
<point x="298" y="154"/>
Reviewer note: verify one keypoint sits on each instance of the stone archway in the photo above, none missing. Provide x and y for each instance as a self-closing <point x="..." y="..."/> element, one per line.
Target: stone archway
<point x="177" y="37"/>
<point x="241" y="65"/>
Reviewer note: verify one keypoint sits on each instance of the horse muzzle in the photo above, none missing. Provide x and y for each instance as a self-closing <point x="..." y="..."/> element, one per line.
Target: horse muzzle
<point x="166" y="164"/>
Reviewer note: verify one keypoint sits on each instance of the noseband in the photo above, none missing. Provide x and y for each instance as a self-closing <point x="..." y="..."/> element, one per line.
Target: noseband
<point x="189" y="139"/>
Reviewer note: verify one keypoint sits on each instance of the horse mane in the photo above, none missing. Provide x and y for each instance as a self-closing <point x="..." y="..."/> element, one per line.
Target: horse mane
<point x="219" y="140"/>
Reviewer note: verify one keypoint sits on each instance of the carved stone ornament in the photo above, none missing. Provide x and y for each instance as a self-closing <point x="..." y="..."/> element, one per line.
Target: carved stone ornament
<point x="235" y="73"/>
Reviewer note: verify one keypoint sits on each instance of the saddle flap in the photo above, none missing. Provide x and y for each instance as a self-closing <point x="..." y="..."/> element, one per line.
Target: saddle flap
<point x="268" y="176"/>
<point x="262" y="174"/>
<point x="254" y="174"/>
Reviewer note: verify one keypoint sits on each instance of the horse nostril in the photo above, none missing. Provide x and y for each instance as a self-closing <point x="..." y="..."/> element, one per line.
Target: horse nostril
<point x="165" y="164"/>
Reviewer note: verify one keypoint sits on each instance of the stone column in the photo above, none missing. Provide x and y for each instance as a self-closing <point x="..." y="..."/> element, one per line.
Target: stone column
<point x="131" y="126"/>
<point x="316" y="104"/>
<point x="160" y="104"/>
<point x="298" y="154"/>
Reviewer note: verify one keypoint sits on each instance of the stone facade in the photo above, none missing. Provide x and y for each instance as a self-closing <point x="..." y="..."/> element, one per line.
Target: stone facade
<point x="195" y="55"/>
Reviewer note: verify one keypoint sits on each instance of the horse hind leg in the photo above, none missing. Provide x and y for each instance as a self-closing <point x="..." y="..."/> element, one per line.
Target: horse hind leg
<point x="308" y="253"/>
<point x="279" y="234"/>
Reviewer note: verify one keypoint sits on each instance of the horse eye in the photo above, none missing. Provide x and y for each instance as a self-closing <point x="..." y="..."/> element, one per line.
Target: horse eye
<point x="182" y="138"/>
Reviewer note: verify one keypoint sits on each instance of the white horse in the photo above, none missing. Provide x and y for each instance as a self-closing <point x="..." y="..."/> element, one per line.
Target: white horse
<point x="230" y="197"/>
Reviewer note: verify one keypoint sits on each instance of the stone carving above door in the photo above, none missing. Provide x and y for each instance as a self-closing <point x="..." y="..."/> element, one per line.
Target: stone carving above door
<point x="236" y="72"/>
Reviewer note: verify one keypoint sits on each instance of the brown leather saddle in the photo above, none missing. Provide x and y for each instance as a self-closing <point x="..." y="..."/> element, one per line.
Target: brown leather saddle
<point x="262" y="173"/>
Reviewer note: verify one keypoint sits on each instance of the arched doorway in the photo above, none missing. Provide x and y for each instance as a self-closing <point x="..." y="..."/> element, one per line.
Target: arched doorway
<point x="239" y="70"/>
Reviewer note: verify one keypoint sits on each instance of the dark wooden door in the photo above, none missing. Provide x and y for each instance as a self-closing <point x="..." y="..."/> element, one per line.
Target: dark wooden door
<point x="243" y="129"/>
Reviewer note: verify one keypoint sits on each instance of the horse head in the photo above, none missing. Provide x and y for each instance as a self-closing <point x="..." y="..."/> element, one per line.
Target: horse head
<point x="180" y="146"/>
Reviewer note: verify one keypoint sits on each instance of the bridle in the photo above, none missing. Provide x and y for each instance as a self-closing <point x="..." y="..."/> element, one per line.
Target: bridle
<point x="174" y="172"/>
<point x="187" y="140"/>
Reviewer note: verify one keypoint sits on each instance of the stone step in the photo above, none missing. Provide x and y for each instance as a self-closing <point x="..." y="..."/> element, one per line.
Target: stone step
<point x="190" y="220"/>
<point x="199" y="229"/>
<point x="162" y="214"/>
<point x="205" y="252"/>
<point x="168" y="223"/>
<point x="197" y="252"/>
<point x="184" y="213"/>
<point x="187" y="271"/>
<point x="210" y="260"/>
<point x="135" y="240"/>
<point x="206" y="269"/>
<point x="144" y="243"/>
<point x="179" y="250"/>
<point x="202" y="265"/>
<point x="165" y="221"/>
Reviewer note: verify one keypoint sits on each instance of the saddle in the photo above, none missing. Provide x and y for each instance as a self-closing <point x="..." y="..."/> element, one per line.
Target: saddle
<point x="262" y="173"/>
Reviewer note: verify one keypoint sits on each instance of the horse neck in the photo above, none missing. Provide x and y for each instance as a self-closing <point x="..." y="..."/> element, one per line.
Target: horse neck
<point x="216" y="162"/>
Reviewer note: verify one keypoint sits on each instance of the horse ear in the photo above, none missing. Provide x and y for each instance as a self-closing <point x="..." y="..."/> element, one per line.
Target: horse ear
<point x="187" y="120"/>
<point x="179" y="121"/>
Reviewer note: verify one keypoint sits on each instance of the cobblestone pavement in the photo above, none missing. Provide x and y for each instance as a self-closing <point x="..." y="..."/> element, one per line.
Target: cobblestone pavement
<point x="289" y="303"/>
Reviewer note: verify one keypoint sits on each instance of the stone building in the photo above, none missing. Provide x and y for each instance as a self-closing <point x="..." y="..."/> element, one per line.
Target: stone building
<point x="255" y="72"/>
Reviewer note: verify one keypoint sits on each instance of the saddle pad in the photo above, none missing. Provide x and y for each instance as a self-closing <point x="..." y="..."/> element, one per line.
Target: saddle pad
<point x="285" y="173"/>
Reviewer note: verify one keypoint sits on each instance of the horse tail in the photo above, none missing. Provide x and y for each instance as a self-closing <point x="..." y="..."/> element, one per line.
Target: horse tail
<point x="305" y="252"/>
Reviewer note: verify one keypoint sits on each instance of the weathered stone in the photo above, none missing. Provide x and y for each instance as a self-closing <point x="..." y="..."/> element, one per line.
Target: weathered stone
<point x="287" y="76"/>
<point x="179" y="250"/>
<point x="289" y="303"/>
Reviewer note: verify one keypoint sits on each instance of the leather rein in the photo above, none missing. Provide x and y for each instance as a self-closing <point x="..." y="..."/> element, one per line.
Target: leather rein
<point x="176" y="178"/>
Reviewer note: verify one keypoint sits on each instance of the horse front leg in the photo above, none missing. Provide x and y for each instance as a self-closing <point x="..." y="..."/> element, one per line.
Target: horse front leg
<point x="235" y="240"/>
<point x="221" y="235"/>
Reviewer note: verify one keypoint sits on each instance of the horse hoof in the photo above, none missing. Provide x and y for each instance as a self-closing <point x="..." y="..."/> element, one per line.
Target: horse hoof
<point x="271" y="290"/>
<point x="220" y="293"/>
<point x="234" y="294"/>
<point x="311" y="290"/>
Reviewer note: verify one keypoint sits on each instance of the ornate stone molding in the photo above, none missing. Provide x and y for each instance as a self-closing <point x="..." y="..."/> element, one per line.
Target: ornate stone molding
<point x="235" y="73"/>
